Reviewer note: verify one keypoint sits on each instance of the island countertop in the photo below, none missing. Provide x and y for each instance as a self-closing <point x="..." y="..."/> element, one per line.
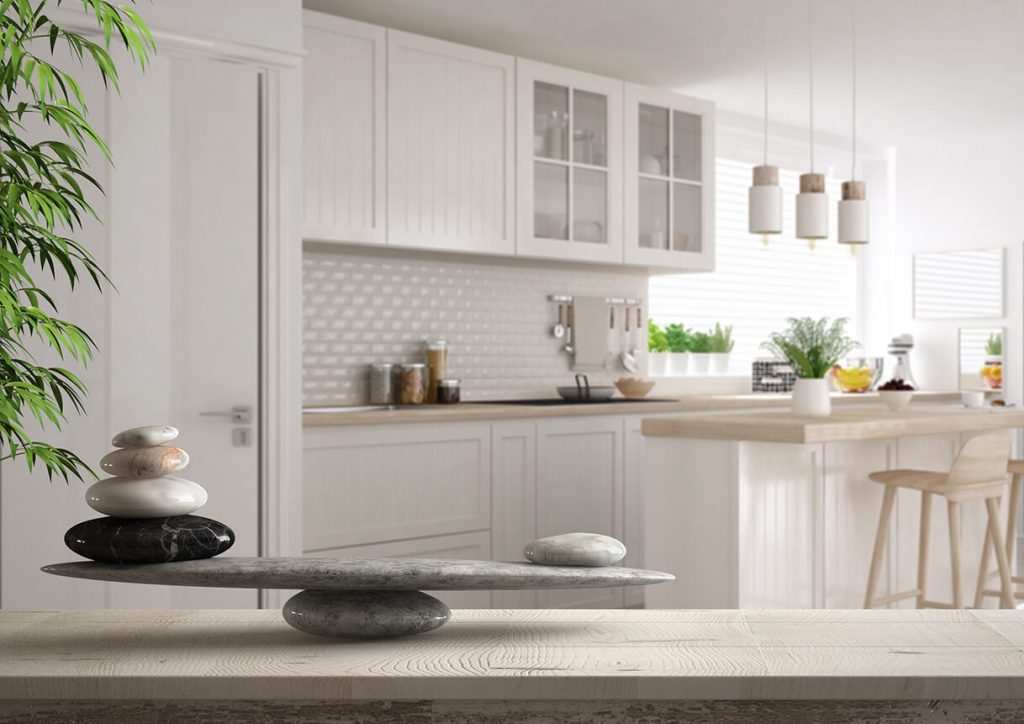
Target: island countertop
<point x="844" y="424"/>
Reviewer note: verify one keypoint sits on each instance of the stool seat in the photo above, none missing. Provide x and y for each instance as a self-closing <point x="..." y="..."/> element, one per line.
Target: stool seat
<point x="929" y="481"/>
<point x="1015" y="467"/>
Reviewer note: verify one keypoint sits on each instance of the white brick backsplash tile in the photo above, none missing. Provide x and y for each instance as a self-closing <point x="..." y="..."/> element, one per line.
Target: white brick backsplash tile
<point x="363" y="309"/>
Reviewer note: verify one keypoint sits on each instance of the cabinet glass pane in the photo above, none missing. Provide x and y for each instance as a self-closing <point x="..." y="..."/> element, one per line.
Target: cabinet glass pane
<point x="653" y="142"/>
<point x="589" y="205"/>
<point x="686" y="217"/>
<point x="550" y="121"/>
<point x="550" y="201"/>
<point x="590" y="128"/>
<point x="653" y="214"/>
<point x="686" y="132"/>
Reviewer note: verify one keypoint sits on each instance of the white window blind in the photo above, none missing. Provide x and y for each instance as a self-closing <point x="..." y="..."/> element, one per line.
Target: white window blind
<point x="754" y="287"/>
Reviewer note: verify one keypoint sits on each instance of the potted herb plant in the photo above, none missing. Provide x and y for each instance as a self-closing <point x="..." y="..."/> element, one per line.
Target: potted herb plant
<point x="811" y="347"/>
<point x="992" y="371"/>
<point x="657" y="350"/>
<point x="679" y="345"/>
<point x="721" y="345"/>
<point x="700" y="349"/>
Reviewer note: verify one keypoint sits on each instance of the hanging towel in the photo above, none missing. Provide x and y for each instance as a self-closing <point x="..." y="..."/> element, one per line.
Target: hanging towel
<point x="590" y="332"/>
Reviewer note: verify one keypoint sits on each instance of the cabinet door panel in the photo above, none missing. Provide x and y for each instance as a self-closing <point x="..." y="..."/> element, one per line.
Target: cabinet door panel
<point x="343" y="130"/>
<point x="513" y="496"/>
<point x="450" y="146"/>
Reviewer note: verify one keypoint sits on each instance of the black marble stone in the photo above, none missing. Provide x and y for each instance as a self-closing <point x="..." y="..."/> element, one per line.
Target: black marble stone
<point x="149" y="540"/>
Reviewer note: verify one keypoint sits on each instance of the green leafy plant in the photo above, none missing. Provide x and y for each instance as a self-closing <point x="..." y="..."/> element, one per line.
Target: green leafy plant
<point x="721" y="339"/>
<point x="811" y="346"/>
<point x="43" y="190"/>
<point x="656" y="339"/>
<point x="679" y="338"/>
<point x="700" y="343"/>
<point x="994" y="345"/>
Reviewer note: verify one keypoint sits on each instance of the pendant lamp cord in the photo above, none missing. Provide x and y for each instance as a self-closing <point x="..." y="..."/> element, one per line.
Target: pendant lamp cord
<point x="766" y="84"/>
<point x="810" y="67"/>
<point x="853" y="63"/>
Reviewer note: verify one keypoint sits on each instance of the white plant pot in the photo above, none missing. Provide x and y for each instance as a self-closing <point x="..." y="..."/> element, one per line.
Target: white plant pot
<point x="678" y="363"/>
<point x="719" y="362"/>
<point x="657" y="362"/>
<point x="700" y="363"/>
<point x="811" y="398"/>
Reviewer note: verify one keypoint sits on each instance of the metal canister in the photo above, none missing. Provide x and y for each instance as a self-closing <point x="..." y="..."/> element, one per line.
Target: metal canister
<point x="413" y="387"/>
<point x="382" y="387"/>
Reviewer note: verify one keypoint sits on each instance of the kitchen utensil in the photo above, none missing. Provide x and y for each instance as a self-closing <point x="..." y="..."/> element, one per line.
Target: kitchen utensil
<point x="628" y="356"/>
<point x="590" y="333"/>
<point x="899" y="348"/>
<point x="559" y="329"/>
<point x="570" y="321"/>
<point x="634" y="388"/>
<point x="584" y="391"/>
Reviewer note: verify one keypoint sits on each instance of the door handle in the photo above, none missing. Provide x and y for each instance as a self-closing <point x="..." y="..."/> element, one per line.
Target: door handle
<point x="239" y="414"/>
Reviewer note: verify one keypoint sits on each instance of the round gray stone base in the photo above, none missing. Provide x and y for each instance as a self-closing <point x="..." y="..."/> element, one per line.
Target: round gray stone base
<point x="365" y="614"/>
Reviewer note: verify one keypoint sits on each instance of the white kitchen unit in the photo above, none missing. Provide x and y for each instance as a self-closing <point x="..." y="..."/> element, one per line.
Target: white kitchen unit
<point x="670" y="180"/>
<point x="451" y="141"/>
<point x="569" y="170"/>
<point x="344" y="132"/>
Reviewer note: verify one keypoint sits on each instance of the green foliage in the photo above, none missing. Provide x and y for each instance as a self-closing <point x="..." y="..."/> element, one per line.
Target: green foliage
<point x="679" y="338"/>
<point x="721" y="339"/>
<point x="656" y="339"/>
<point x="994" y="345"/>
<point x="811" y="346"/>
<point x="700" y="343"/>
<point x="43" y="187"/>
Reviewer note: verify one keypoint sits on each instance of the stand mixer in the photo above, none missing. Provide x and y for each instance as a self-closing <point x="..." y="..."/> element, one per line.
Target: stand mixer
<point x="899" y="348"/>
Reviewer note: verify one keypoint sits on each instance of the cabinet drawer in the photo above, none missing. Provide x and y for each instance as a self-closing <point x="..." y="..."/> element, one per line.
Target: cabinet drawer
<point x="394" y="483"/>
<point x="469" y="546"/>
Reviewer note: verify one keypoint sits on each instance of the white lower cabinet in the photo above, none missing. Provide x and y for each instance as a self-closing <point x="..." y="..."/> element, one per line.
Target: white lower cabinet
<point x="476" y="491"/>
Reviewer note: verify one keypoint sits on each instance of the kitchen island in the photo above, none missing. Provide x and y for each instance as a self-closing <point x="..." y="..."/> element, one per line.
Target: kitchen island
<point x="497" y="666"/>
<point x="770" y="509"/>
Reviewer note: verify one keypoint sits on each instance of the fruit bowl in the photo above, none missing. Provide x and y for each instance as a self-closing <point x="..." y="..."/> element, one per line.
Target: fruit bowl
<point x="992" y="373"/>
<point x="857" y="374"/>
<point x="896" y="395"/>
<point x="634" y="388"/>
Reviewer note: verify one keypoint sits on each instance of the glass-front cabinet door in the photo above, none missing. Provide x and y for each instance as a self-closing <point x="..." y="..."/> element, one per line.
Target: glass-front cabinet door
<point x="670" y="180"/>
<point x="569" y="145"/>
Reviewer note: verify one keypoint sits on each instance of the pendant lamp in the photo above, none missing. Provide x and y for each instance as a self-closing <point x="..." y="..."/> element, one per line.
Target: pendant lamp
<point x="812" y="201"/>
<point x="764" y="202"/>
<point x="853" y="208"/>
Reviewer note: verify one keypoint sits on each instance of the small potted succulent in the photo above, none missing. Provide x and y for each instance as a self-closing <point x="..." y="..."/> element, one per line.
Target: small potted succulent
<point x="992" y="370"/>
<point x="721" y="345"/>
<point x="700" y="353"/>
<point x="896" y="394"/>
<point x="657" y="348"/>
<point x="679" y="345"/>
<point x="812" y="347"/>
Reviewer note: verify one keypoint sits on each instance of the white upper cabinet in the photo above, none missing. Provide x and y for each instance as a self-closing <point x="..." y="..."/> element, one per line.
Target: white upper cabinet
<point x="450" y="146"/>
<point x="670" y="180"/>
<point x="569" y="187"/>
<point x="343" y="130"/>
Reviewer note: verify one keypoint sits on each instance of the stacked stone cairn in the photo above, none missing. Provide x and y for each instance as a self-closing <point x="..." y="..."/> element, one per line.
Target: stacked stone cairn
<point x="147" y="511"/>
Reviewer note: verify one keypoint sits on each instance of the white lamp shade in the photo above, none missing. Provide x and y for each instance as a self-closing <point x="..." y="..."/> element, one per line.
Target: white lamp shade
<point x="812" y="216"/>
<point x="853" y="221"/>
<point x="765" y="210"/>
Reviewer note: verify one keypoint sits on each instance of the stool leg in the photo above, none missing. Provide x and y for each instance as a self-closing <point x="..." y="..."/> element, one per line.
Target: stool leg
<point x="983" y="572"/>
<point x="953" y="509"/>
<point x="880" y="538"/>
<point x="1006" y="594"/>
<point x="922" y="546"/>
<point x="1011" y="520"/>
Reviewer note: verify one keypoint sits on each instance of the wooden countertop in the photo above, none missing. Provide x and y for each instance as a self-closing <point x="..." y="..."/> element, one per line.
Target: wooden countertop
<point x="844" y="424"/>
<point x="487" y="411"/>
<point x="623" y="655"/>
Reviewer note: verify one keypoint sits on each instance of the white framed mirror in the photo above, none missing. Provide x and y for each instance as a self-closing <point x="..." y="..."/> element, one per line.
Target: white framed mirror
<point x="981" y="358"/>
<point x="959" y="284"/>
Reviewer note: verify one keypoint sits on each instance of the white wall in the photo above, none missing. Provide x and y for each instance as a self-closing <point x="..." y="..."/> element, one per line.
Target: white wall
<point x="961" y="193"/>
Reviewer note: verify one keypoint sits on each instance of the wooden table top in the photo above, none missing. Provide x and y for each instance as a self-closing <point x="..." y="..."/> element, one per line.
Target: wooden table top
<point x="844" y="424"/>
<point x="525" y="654"/>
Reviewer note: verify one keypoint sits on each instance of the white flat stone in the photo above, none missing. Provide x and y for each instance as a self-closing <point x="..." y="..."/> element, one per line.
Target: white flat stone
<point x="144" y="462"/>
<point x="147" y="498"/>
<point x="145" y="436"/>
<point x="576" y="549"/>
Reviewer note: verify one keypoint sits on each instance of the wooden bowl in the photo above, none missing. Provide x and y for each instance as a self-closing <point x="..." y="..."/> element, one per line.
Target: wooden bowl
<point x="634" y="388"/>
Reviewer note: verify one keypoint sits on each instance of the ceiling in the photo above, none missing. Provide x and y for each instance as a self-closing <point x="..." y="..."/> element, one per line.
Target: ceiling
<point x="928" y="70"/>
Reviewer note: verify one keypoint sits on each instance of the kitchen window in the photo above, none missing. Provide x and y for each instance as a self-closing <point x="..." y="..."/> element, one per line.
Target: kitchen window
<point x="756" y="287"/>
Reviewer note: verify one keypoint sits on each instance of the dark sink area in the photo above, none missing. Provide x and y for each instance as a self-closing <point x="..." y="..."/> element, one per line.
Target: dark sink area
<point x="556" y="401"/>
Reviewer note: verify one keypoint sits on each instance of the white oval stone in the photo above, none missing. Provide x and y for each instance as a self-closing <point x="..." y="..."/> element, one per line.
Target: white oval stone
<point x="145" y="436"/>
<point x="148" y="498"/>
<point x="576" y="549"/>
<point x="144" y="462"/>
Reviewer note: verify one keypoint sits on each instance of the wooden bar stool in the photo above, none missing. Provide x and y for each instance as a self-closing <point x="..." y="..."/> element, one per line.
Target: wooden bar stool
<point x="978" y="473"/>
<point x="1015" y="468"/>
